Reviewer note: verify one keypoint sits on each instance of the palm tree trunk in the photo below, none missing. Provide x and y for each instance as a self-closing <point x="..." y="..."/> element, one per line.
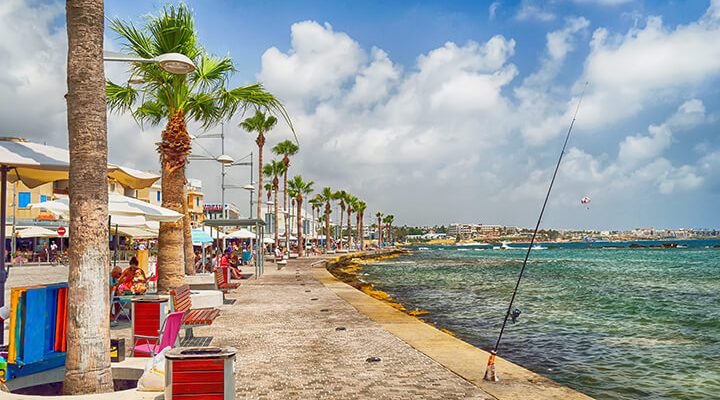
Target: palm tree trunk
<point x="301" y="247"/>
<point x="285" y="207"/>
<point x="359" y="232"/>
<point x="171" y="265"/>
<point x="260" y="142"/>
<point x="277" y="226"/>
<point x="87" y="365"/>
<point x="187" y="238"/>
<point x="349" y="228"/>
<point x="327" y="227"/>
<point x="340" y="236"/>
<point x="380" y="233"/>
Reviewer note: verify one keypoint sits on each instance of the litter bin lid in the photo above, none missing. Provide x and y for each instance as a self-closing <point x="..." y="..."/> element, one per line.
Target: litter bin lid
<point x="149" y="299"/>
<point x="186" y="353"/>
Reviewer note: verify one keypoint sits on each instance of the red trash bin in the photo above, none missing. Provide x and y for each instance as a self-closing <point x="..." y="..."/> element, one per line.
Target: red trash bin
<point x="200" y="373"/>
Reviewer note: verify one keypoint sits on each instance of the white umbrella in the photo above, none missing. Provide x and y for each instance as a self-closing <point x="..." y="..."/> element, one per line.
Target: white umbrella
<point x="136" y="232"/>
<point x="118" y="205"/>
<point x="268" y="240"/>
<point x="36" y="232"/>
<point x="241" y="234"/>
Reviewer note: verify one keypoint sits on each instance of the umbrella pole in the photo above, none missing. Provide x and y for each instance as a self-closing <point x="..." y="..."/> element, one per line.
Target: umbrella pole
<point x="3" y="215"/>
<point x="116" y="241"/>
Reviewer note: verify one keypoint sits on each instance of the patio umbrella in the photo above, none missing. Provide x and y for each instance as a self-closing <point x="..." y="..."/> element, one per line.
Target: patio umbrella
<point x="118" y="205"/>
<point x="36" y="232"/>
<point x="241" y="234"/>
<point x="200" y="237"/>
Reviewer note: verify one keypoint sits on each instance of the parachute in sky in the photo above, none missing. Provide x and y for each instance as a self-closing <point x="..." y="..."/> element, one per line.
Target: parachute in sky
<point x="585" y="201"/>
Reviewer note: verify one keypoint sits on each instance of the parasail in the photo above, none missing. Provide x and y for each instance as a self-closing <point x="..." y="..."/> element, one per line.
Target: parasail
<point x="585" y="200"/>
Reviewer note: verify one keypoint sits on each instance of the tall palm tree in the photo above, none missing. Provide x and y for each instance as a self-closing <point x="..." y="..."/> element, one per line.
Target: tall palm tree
<point x="350" y="201"/>
<point x="286" y="149"/>
<point x="316" y="203"/>
<point x="327" y="196"/>
<point x="87" y="366"/>
<point x="340" y="196"/>
<point x="261" y="124"/>
<point x="388" y="220"/>
<point x="360" y="207"/>
<point x="298" y="188"/>
<point x="379" y="216"/>
<point x="201" y="96"/>
<point x="273" y="170"/>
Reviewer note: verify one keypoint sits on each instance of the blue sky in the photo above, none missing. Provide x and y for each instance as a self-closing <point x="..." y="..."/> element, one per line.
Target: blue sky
<point x="443" y="111"/>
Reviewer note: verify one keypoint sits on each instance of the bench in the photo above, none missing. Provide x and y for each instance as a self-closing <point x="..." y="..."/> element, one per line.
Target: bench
<point x="193" y="317"/>
<point x="222" y="284"/>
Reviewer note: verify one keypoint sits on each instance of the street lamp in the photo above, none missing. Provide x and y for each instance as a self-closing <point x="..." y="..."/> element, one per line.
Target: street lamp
<point x="174" y="63"/>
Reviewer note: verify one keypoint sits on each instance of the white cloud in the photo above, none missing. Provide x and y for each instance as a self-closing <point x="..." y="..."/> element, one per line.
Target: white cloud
<point x="632" y="72"/>
<point x="530" y="11"/>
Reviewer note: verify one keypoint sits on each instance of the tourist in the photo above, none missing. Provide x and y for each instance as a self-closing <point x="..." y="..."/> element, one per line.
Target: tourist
<point x="132" y="279"/>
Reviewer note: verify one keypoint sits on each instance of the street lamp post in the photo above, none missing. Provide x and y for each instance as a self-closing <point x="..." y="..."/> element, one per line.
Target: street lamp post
<point x="174" y="63"/>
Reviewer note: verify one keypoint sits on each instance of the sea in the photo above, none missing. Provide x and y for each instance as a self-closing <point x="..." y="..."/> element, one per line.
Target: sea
<point x="607" y="319"/>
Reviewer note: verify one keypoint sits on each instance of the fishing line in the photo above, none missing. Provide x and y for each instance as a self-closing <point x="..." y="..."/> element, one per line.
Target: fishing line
<point x="537" y="226"/>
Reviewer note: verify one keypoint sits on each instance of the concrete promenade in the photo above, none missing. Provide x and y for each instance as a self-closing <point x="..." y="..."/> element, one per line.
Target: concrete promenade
<point x="302" y="334"/>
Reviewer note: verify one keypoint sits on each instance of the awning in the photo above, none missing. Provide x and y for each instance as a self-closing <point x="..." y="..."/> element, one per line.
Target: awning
<point x="135" y="232"/>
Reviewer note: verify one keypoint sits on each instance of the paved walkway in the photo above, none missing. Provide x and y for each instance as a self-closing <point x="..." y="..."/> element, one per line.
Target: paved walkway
<point x="285" y="327"/>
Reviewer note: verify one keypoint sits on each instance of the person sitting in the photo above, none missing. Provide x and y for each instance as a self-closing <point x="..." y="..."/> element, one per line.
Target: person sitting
<point x="132" y="280"/>
<point x="234" y="262"/>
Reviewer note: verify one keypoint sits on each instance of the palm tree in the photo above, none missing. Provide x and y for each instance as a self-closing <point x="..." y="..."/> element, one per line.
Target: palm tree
<point x="200" y="96"/>
<point x="350" y="201"/>
<point x="340" y="195"/>
<point x="388" y="220"/>
<point x="273" y="170"/>
<point x="87" y="366"/>
<point x="379" y="216"/>
<point x="261" y="124"/>
<point x="360" y="207"/>
<point x="298" y="188"/>
<point x="326" y="196"/>
<point x="286" y="149"/>
<point x="316" y="203"/>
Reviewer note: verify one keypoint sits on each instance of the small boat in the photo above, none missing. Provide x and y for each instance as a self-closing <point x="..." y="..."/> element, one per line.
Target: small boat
<point x="538" y="247"/>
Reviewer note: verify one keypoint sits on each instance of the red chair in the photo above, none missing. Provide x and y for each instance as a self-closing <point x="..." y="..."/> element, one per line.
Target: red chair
<point x="167" y="336"/>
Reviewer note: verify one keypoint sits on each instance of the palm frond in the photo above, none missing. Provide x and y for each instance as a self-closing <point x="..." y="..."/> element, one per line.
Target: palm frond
<point x="255" y="95"/>
<point x="137" y="42"/>
<point x="173" y="31"/>
<point x="120" y="98"/>
<point x="211" y="73"/>
<point x="203" y="108"/>
<point x="150" y="112"/>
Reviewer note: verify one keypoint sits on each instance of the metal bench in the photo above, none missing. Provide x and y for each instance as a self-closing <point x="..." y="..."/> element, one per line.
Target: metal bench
<point x="193" y="317"/>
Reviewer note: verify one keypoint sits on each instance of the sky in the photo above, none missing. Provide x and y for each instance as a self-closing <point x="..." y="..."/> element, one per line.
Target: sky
<point x="437" y="112"/>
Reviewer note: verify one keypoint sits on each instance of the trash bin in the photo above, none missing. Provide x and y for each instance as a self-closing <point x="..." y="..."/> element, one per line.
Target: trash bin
<point x="148" y="315"/>
<point x="200" y="373"/>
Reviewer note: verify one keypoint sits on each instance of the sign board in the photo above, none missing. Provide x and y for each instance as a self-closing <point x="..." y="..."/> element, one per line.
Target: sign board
<point x="61" y="231"/>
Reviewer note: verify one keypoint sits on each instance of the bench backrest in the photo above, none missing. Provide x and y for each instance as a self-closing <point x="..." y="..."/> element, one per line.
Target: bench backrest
<point x="219" y="277"/>
<point x="181" y="298"/>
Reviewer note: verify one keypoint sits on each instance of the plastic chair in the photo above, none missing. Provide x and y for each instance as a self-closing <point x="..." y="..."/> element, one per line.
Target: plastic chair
<point x="167" y="336"/>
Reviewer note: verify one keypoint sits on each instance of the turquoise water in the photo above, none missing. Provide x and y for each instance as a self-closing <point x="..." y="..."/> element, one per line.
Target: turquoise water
<point x="612" y="323"/>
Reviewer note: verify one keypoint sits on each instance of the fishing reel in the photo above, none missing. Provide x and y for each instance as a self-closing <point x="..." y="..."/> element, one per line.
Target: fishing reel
<point x="515" y="314"/>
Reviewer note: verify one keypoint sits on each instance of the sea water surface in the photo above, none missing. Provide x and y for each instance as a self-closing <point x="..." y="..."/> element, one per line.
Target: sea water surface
<point x="614" y="323"/>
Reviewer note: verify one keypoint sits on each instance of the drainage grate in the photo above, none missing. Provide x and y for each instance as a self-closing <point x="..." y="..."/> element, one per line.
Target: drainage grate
<point x="341" y="328"/>
<point x="373" y="359"/>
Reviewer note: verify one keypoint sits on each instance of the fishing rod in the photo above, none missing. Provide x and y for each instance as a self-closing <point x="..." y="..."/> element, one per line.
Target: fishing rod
<point x="490" y="374"/>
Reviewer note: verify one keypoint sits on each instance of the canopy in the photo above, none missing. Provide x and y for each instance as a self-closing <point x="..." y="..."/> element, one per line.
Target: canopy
<point x="268" y="240"/>
<point x="117" y="205"/>
<point x="198" y="236"/>
<point x="36" y="232"/>
<point x="242" y="234"/>
<point x="135" y="232"/>
<point x="35" y="164"/>
<point x="213" y="232"/>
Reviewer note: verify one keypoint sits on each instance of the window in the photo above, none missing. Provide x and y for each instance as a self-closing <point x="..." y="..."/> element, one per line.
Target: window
<point x="197" y="202"/>
<point x="157" y="195"/>
<point x="43" y="198"/>
<point x="23" y="199"/>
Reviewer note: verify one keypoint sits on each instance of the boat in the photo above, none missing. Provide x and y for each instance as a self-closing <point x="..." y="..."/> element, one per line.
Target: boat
<point x="538" y="247"/>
